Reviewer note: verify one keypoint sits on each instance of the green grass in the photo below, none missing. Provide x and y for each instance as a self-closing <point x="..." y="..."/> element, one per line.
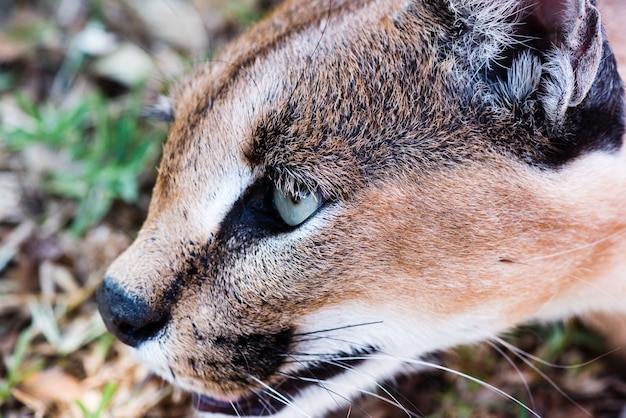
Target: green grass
<point x="64" y="341"/>
<point x="101" y="153"/>
<point x="17" y="369"/>
<point x="107" y="396"/>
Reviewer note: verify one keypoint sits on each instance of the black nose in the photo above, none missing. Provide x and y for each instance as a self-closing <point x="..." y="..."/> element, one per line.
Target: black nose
<point x="128" y="316"/>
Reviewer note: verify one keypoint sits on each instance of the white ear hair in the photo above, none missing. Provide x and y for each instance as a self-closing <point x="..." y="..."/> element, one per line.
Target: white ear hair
<point x="523" y="79"/>
<point x="161" y="109"/>
<point x="564" y="35"/>
<point x="572" y="65"/>
<point x="490" y="28"/>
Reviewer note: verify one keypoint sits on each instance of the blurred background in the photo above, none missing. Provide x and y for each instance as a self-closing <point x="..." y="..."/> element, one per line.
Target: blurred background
<point x="77" y="163"/>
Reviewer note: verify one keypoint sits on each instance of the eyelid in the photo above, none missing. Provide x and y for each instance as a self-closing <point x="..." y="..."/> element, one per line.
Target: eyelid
<point x="303" y="194"/>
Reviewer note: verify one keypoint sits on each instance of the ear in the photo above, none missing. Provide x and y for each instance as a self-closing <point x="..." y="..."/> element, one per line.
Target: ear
<point x="566" y="35"/>
<point x="580" y="91"/>
<point x="541" y="61"/>
<point x="569" y="36"/>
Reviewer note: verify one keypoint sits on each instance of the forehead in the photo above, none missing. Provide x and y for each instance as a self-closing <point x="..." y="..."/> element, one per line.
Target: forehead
<point x="309" y="50"/>
<point x="320" y="98"/>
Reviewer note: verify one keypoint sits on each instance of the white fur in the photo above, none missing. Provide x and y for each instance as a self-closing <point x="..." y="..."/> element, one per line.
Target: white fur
<point x="600" y="178"/>
<point x="399" y="335"/>
<point x="491" y="27"/>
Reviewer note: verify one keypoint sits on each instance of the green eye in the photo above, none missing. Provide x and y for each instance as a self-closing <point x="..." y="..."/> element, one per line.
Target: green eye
<point x="296" y="209"/>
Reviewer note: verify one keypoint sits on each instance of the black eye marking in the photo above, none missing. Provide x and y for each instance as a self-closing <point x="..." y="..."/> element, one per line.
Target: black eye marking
<point x="255" y="216"/>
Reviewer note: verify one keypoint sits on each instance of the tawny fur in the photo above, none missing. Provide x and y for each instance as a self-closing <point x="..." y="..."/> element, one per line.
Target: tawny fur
<point x="450" y="215"/>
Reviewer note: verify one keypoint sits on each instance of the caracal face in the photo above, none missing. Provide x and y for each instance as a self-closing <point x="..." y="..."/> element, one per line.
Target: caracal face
<point x="355" y="184"/>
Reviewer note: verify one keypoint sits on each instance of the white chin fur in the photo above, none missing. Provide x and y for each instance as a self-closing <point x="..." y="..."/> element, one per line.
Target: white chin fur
<point x="354" y="328"/>
<point x="332" y="394"/>
<point x="395" y="337"/>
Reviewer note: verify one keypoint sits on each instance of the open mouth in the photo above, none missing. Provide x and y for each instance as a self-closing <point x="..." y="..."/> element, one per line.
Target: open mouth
<point x="273" y="400"/>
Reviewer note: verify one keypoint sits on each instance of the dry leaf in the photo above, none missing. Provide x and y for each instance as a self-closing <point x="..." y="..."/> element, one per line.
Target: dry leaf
<point x="52" y="386"/>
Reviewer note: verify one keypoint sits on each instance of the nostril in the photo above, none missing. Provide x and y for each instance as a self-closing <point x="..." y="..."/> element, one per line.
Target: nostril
<point x="128" y="316"/>
<point x="134" y="334"/>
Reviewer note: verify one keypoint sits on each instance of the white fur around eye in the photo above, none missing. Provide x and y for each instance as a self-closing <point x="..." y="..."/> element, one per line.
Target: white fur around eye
<point x="294" y="210"/>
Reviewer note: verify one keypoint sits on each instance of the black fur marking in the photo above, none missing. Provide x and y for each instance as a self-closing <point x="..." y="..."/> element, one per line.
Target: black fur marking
<point x="262" y="403"/>
<point x="252" y="217"/>
<point x="259" y="355"/>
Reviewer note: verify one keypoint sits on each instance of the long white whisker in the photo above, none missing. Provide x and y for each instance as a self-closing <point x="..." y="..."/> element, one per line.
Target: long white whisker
<point x="306" y="369"/>
<point x="278" y="396"/>
<point x="522" y="356"/>
<point x="322" y="383"/>
<point x="539" y="360"/>
<point x="267" y="406"/>
<point x="448" y="370"/>
<point x="392" y="401"/>
<point x="235" y="408"/>
<point x="517" y="370"/>
<point x="361" y="391"/>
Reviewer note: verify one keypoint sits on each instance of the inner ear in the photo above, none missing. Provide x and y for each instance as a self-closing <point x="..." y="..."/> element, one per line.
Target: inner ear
<point x="545" y="21"/>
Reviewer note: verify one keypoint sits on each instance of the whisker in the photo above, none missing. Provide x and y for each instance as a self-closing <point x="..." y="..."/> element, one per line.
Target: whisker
<point x="298" y="353"/>
<point x="517" y="370"/>
<point x="362" y="391"/>
<point x="245" y="359"/>
<point x="273" y="393"/>
<point x="338" y="328"/>
<point x="234" y="406"/>
<point x="309" y="371"/>
<point x="322" y="383"/>
<point x="522" y="355"/>
<point x="362" y="346"/>
<point x="527" y="355"/>
<point x="392" y="401"/>
<point x="331" y="361"/>
<point x="448" y="370"/>
<point x="267" y="406"/>
<point x="336" y="361"/>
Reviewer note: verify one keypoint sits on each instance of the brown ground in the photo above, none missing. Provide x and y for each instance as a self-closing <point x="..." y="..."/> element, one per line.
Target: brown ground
<point x="55" y="358"/>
